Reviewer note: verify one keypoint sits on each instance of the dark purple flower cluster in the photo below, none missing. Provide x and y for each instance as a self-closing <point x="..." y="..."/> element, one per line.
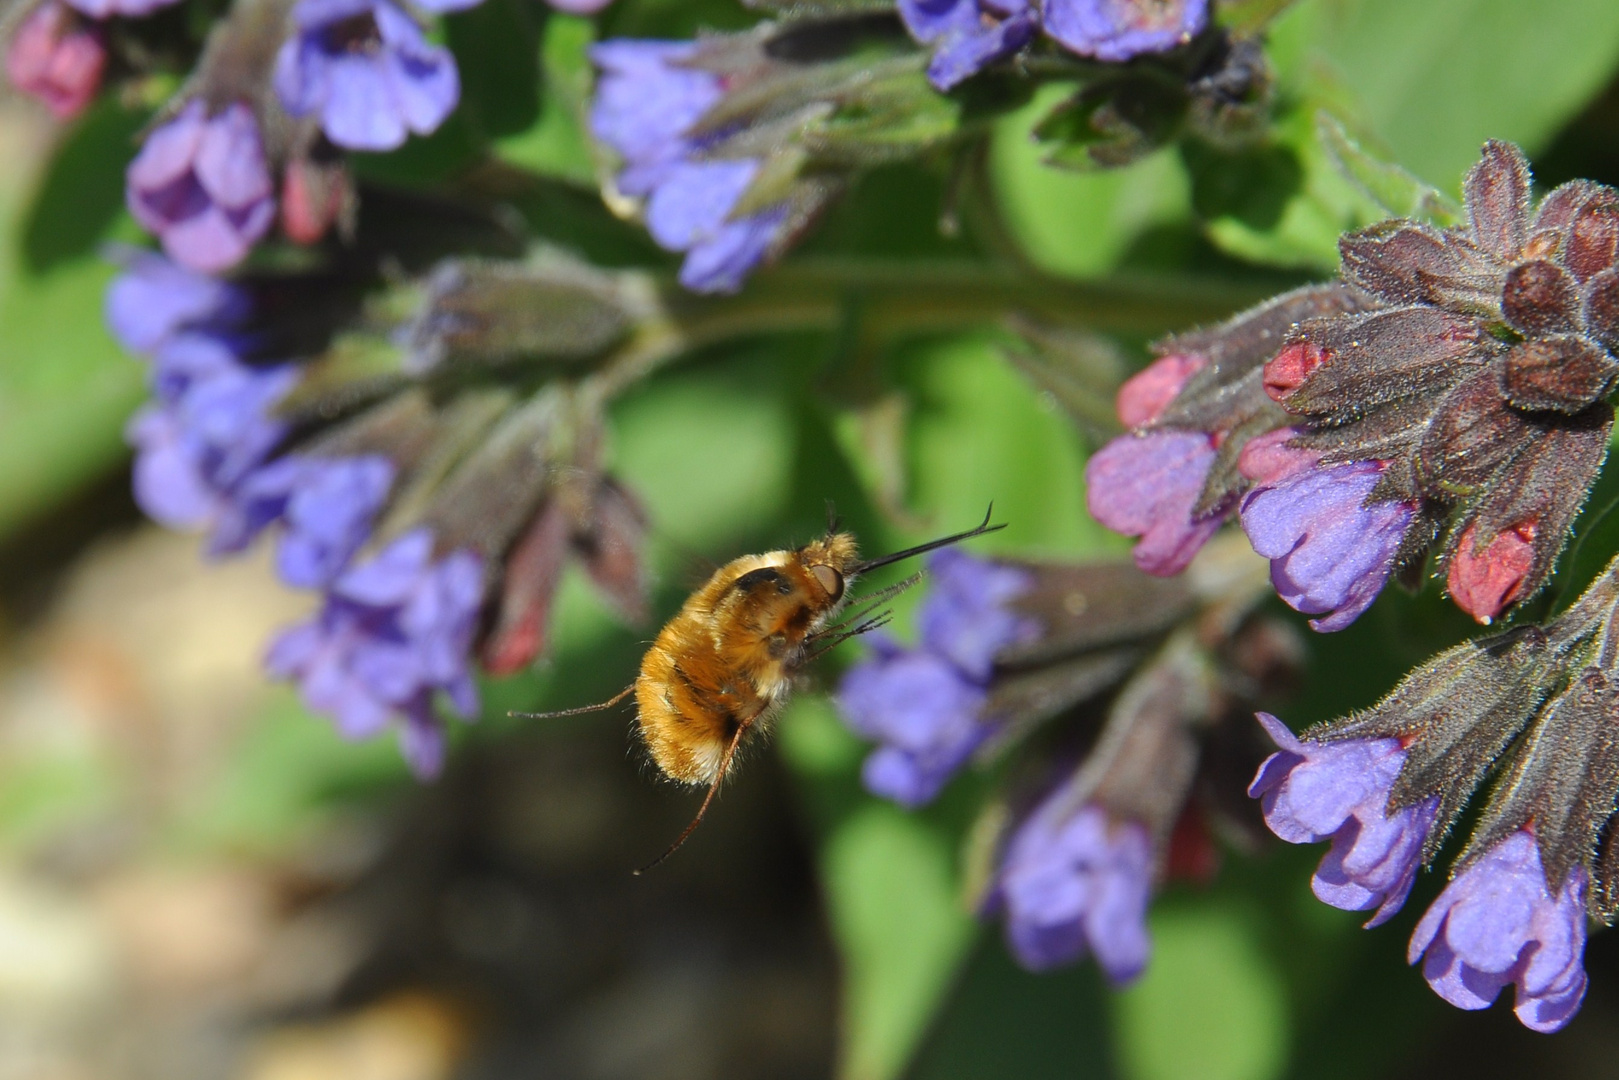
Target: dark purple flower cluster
<point x="1477" y="388"/>
<point x="924" y="706"/>
<point x="1533" y="707"/>
<point x="969" y="35"/>
<point x="649" y="98"/>
<point x="1447" y="396"/>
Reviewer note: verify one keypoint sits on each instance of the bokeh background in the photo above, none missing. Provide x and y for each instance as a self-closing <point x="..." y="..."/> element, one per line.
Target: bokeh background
<point x="200" y="880"/>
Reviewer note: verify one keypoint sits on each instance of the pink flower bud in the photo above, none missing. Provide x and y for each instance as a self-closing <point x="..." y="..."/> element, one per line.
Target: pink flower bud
<point x="57" y="57"/>
<point x="1483" y="583"/>
<point x="1267" y="458"/>
<point x="1146" y="394"/>
<point x="313" y="195"/>
<point x="1288" y="369"/>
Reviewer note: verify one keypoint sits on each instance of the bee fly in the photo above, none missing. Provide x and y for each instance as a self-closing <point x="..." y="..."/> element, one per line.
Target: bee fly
<point x="725" y="664"/>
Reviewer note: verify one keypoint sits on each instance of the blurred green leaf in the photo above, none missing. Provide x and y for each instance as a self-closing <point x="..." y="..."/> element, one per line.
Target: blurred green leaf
<point x="1435" y="79"/>
<point x="81" y="193"/>
<point x="556" y="144"/>
<point x="892" y="899"/>
<point x="1077" y="223"/>
<point x="65" y="386"/>
<point x="1391" y="187"/>
<point x="497" y="49"/>
<point x="980" y="433"/>
<point x="1003" y="1021"/>
<point x="1211" y="1006"/>
<point x="1304" y="234"/>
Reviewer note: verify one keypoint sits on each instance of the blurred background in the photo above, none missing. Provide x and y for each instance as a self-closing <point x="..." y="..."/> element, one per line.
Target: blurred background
<point x="200" y="880"/>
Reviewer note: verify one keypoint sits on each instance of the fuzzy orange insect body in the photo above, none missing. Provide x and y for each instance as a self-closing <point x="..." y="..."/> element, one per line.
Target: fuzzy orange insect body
<point x="727" y="660"/>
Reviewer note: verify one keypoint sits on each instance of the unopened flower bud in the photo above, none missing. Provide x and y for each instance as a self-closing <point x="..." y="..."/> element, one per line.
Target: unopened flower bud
<point x="58" y="57"/>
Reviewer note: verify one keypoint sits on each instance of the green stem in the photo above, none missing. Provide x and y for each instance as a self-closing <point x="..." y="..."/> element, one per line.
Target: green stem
<point x="902" y="299"/>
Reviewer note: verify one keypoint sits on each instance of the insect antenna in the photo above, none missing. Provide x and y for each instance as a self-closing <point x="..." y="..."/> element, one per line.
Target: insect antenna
<point x="713" y="789"/>
<point x="931" y="545"/>
<point x="598" y="707"/>
<point x="832" y="521"/>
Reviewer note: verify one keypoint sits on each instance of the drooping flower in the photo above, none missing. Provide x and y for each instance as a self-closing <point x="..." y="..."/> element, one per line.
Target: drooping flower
<point x="967" y="35"/>
<point x="1148" y="486"/>
<point x="1117" y="30"/>
<point x="1339" y="791"/>
<point x="366" y="69"/>
<point x="326" y="507"/>
<point x="1497" y="924"/>
<point x="1484" y="580"/>
<point x="691" y="210"/>
<point x="57" y="57"/>
<point x="393" y="635"/>
<point x="1074" y="881"/>
<point x="209" y="425"/>
<point x="200" y="183"/>
<point x="1330" y="552"/>
<point x="155" y="299"/>
<point x="648" y="98"/>
<point x="924" y="705"/>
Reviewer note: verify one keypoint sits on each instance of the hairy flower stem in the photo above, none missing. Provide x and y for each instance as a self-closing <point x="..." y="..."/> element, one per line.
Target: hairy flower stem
<point x="901" y="299"/>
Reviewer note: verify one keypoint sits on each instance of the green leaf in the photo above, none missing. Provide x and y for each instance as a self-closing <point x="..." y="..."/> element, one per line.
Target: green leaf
<point x="497" y="50"/>
<point x="1391" y="187"/>
<point x="1435" y="79"/>
<point x="895" y="912"/>
<point x="1211" y="1005"/>
<point x="65" y="387"/>
<point x="556" y="144"/>
<point x="1077" y="223"/>
<point x="81" y="194"/>
<point x="980" y="433"/>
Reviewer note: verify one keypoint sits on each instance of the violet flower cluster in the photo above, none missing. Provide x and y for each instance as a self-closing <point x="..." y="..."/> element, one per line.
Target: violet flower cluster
<point x="924" y="706"/>
<point x="1008" y="648"/>
<point x="968" y="35"/>
<point x="211" y="454"/>
<point x="1532" y="708"/>
<point x="650" y="97"/>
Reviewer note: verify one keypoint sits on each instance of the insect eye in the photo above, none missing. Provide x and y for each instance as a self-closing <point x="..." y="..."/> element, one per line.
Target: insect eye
<point x="830" y="580"/>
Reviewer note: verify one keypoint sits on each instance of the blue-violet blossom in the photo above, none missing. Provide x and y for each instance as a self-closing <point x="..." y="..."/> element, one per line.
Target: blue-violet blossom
<point x="209" y="424"/>
<point x="967" y="35"/>
<point x="367" y="70"/>
<point x="1331" y="553"/>
<point x="393" y="634"/>
<point x="1496" y="923"/>
<point x="1073" y="880"/>
<point x="155" y="298"/>
<point x="201" y="185"/>
<point x="1339" y="791"/>
<point x="923" y="705"/>
<point x="326" y="507"/>
<point x="646" y="101"/>
<point x="1115" y="30"/>
<point x="1147" y="485"/>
